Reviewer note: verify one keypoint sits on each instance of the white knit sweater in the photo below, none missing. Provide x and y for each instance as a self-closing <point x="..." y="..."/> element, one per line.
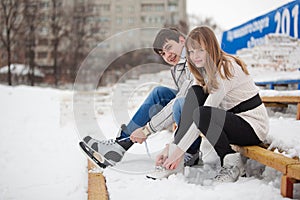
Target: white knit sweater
<point x="229" y="94"/>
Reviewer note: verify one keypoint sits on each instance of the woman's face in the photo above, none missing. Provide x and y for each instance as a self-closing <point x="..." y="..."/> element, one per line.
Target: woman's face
<point x="197" y="56"/>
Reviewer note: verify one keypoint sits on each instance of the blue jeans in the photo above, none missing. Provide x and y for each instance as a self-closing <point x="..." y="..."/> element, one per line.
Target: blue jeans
<point x="154" y="103"/>
<point x="158" y="98"/>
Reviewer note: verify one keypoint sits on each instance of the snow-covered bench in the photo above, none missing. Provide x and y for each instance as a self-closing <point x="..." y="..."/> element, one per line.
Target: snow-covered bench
<point x="273" y="98"/>
<point x="272" y="84"/>
<point x="289" y="167"/>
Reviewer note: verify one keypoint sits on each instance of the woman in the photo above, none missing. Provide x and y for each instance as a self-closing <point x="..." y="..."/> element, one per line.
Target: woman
<point x="231" y="114"/>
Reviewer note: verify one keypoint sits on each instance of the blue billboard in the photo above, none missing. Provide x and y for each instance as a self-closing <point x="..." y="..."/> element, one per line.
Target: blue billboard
<point x="283" y="20"/>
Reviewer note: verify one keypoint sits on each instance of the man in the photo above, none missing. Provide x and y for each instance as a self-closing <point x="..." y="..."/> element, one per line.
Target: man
<point x="161" y="108"/>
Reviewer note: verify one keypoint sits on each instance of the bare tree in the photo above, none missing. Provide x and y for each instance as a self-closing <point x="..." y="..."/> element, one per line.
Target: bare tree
<point x="82" y="33"/>
<point x="31" y="19"/>
<point x="77" y="37"/>
<point x="59" y="30"/>
<point x="195" y="20"/>
<point x="10" y="23"/>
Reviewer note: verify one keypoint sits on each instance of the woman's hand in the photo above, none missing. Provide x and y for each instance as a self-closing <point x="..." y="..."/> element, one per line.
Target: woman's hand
<point x="174" y="159"/>
<point x="161" y="158"/>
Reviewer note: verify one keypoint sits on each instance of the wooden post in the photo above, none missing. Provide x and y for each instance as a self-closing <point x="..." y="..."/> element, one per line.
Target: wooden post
<point x="287" y="185"/>
<point x="298" y="111"/>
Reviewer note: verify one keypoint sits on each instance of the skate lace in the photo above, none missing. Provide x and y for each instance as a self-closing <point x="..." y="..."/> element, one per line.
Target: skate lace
<point x="146" y="145"/>
<point x="108" y="142"/>
<point x="160" y="168"/>
<point x="187" y="157"/>
<point x="224" y="173"/>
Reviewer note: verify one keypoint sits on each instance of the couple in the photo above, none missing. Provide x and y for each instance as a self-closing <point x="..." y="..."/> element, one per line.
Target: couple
<point x="215" y="97"/>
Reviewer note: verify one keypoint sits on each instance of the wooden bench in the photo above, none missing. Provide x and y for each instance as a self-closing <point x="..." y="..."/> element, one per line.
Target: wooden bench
<point x="280" y="101"/>
<point x="290" y="168"/>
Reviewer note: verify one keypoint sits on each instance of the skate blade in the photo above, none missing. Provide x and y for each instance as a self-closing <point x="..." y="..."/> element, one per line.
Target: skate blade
<point x="95" y="158"/>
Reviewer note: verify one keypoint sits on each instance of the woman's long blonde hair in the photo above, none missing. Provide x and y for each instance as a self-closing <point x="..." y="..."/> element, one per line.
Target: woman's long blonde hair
<point x="216" y="59"/>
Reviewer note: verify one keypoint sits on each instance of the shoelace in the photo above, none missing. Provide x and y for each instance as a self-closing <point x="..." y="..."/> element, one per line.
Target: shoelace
<point x="225" y="171"/>
<point x="108" y="142"/>
<point x="187" y="157"/>
<point x="160" y="168"/>
<point x="146" y="145"/>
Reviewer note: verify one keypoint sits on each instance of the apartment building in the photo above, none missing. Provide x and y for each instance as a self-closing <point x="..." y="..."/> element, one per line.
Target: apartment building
<point x="78" y="26"/>
<point x="102" y="19"/>
<point x="108" y="17"/>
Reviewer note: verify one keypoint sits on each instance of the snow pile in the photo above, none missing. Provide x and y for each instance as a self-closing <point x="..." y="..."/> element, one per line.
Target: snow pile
<point x="261" y="74"/>
<point x="284" y="135"/>
<point x="273" y="93"/>
<point x="38" y="158"/>
<point x="20" y="69"/>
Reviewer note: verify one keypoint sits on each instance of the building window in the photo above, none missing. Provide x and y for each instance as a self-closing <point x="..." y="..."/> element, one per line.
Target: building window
<point x="131" y="9"/>
<point x="44" y="18"/>
<point x="119" y="20"/>
<point x="44" y="30"/>
<point x="44" y="5"/>
<point x="104" y="7"/>
<point x="118" y="9"/>
<point x="43" y="42"/>
<point x="153" y="7"/>
<point x="130" y="20"/>
<point x="173" y="7"/>
<point x="95" y="30"/>
<point x="159" y="7"/>
<point x="146" y="7"/>
<point x="42" y="54"/>
<point x="102" y="19"/>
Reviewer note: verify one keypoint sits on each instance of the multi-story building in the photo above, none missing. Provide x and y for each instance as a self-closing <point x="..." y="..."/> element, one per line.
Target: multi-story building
<point x="109" y="17"/>
<point x="104" y="18"/>
<point x="89" y="22"/>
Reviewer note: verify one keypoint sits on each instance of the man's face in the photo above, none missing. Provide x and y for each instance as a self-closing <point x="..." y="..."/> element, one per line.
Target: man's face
<point x="171" y="51"/>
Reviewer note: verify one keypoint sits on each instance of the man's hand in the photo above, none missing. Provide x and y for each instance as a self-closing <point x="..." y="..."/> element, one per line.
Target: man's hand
<point x="138" y="136"/>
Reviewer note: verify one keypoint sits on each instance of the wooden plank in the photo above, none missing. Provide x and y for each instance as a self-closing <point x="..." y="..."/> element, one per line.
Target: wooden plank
<point x="293" y="170"/>
<point x="288" y="166"/>
<point x="96" y="185"/>
<point x="281" y="99"/>
<point x="266" y="157"/>
<point x="278" y="105"/>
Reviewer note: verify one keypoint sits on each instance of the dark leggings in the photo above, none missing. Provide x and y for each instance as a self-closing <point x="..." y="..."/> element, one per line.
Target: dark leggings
<point x="220" y="127"/>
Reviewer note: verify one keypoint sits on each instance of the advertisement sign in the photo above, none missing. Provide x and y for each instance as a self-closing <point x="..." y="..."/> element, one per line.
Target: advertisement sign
<point x="283" y="20"/>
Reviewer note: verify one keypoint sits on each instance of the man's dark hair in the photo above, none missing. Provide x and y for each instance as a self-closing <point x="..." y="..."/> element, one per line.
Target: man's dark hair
<point x="163" y="36"/>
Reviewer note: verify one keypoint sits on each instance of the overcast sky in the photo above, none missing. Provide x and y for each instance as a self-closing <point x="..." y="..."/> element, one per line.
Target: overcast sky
<point x="230" y="13"/>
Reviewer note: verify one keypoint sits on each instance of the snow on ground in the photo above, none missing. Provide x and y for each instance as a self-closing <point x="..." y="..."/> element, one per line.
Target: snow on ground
<point x="40" y="158"/>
